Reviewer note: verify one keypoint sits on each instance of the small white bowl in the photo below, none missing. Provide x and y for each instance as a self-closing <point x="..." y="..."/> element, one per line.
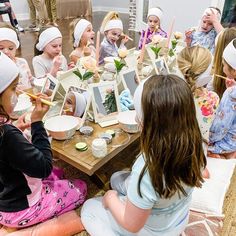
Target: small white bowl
<point x="127" y="121"/>
<point x="61" y="127"/>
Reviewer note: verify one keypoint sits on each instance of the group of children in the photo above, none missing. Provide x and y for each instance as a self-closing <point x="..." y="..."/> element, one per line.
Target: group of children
<point x="154" y="197"/>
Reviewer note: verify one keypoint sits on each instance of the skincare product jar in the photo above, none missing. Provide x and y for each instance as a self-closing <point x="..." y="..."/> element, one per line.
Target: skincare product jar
<point x="99" y="148"/>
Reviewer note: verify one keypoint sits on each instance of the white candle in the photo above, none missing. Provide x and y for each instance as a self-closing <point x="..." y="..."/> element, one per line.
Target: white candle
<point x="170" y="32"/>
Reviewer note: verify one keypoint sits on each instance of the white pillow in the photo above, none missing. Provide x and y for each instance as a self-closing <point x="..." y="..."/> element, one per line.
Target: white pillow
<point x="210" y="198"/>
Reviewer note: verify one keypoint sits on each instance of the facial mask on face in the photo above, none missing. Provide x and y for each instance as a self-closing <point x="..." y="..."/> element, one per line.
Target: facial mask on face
<point x="14" y="100"/>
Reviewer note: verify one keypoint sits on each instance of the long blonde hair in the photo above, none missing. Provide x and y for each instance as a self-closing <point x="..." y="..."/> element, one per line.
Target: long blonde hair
<point x="192" y="62"/>
<point x="224" y="39"/>
<point x="111" y="15"/>
<point x="173" y="153"/>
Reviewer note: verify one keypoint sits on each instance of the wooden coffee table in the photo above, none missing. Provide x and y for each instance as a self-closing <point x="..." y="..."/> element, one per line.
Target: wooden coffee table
<point x="85" y="161"/>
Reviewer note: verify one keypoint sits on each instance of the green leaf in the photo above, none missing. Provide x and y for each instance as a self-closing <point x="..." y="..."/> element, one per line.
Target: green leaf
<point x="119" y="65"/>
<point x="156" y="50"/>
<point x="171" y="52"/>
<point x="77" y="73"/>
<point x="174" y="43"/>
<point x="87" y="75"/>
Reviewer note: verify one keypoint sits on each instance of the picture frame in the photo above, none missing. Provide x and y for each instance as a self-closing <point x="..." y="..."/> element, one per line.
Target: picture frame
<point x="130" y="79"/>
<point x="105" y="102"/>
<point x="76" y="103"/>
<point x="161" y="66"/>
<point x="50" y="87"/>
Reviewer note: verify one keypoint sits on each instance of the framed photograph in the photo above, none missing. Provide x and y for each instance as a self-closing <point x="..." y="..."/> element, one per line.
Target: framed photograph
<point x="161" y="66"/>
<point x="105" y="101"/>
<point x="130" y="80"/>
<point x="50" y="86"/>
<point x="76" y="103"/>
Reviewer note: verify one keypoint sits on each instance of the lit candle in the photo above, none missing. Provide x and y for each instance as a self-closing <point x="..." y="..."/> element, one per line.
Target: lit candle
<point x="143" y="47"/>
<point x="97" y="47"/>
<point x="170" y="32"/>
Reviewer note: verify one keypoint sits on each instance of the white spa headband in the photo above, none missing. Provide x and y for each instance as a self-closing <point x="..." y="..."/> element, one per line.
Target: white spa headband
<point x="80" y="104"/>
<point x="229" y="54"/>
<point x="10" y="35"/>
<point x="209" y="10"/>
<point x="205" y="77"/>
<point x="8" y="71"/>
<point x="79" y="30"/>
<point x="47" y="36"/>
<point x="155" y="12"/>
<point x="113" y="24"/>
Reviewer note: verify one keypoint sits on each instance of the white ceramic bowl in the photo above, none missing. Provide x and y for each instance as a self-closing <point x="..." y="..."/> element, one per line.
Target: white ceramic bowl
<point x="61" y="127"/>
<point x="127" y="121"/>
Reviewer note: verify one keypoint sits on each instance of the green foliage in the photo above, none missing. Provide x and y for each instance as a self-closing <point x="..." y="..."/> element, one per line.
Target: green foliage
<point x="171" y="52"/>
<point x="156" y="50"/>
<point x="87" y="75"/>
<point x="119" y="65"/>
<point x="110" y="103"/>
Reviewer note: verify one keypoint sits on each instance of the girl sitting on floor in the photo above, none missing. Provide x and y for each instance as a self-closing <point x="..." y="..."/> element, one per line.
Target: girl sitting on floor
<point x="222" y="143"/>
<point x="154" y="198"/>
<point x="48" y="57"/>
<point x="112" y="28"/>
<point x="9" y="44"/>
<point x="154" y="18"/>
<point x="83" y="36"/>
<point x="31" y="191"/>
<point x="207" y="31"/>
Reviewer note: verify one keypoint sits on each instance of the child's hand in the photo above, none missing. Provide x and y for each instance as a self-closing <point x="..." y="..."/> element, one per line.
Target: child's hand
<point x="57" y="61"/>
<point x="212" y="17"/>
<point x="39" y="110"/>
<point x="188" y="37"/>
<point x="230" y="82"/>
<point x="107" y="198"/>
<point x="22" y="124"/>
<point x="125" y="39"/>
<point x="71" y="65"/>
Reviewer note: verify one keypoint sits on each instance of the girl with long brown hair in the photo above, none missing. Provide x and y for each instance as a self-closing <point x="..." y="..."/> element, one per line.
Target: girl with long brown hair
<point x="154" y="198"/>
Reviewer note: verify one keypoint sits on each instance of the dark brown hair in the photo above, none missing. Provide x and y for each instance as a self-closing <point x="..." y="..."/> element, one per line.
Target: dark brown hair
<point x="171" y="140"/>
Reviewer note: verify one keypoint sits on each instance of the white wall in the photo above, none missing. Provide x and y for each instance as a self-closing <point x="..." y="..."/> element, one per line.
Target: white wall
<point x="21" y="9"/>
<point x="121" y="6"/>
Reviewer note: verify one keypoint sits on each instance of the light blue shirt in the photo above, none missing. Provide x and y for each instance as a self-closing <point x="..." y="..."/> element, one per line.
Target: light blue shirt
<point x="223" y="129"/>
<point x="166" y="214"/>
<point x="205" y="39"/>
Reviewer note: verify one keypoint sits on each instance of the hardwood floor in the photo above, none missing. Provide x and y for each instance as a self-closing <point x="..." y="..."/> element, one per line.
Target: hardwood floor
<point x="28" y="39"/>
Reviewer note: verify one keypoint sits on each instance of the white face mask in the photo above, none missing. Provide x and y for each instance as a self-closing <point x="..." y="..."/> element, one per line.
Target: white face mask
<point x="14" y="100"/>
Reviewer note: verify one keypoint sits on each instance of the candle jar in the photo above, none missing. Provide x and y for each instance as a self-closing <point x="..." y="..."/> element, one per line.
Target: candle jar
<point x="99" y="148"/>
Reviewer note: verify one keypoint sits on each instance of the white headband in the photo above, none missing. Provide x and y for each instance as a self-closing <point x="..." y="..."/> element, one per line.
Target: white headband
<point x="47" y="36"/>
<point x="79" y="30"/>
<point x="155" y="12"/>
<point x="113" y="24"/>
<point x="209" y="11"/>
<point x="205" y="77"/>
<point x="10" y="35"/>
<point x="80" y="104"/>
<point x="8" y="71"/>
<point x="229" y="54"/>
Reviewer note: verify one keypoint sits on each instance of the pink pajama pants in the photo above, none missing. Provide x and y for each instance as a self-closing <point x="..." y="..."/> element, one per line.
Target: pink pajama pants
<point x="57" y="197"/>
